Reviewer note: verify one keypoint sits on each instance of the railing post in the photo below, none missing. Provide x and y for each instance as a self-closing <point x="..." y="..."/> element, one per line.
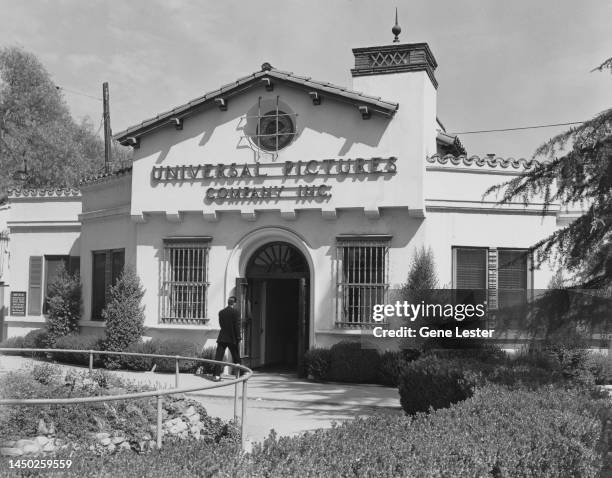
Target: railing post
<point x="236" y="398"/>
<point x="159" y="421"/>
<point x="176" y="376"/>
<point x="243" y="418"/>
<point x="91" y="361"/>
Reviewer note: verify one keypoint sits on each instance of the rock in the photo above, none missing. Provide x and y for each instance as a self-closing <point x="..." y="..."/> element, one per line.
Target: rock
<point x="182" y="435"/>
<point x="49" y="447"/>
<point x="42" y="441"/>
<point x="105" y="441"/>
<point x="8" y="444"/>
<point x="146" y="436"/>
<point x="23" y="442"/>
<point x="189" y="411"/>
<point x="11" y="451"/>
<point x="31" y="448"/>
<point x="117" y="440"/>
<point x="124" y="446"/>
<point x="195" y="418"/>
<point x="59" y="442"/>
<point x="195" y="430"/>
<point x="102" y="436"/>
<point x="111" y="448"/>
<point x="42" y="427"/>
<point x="51" y="429"/>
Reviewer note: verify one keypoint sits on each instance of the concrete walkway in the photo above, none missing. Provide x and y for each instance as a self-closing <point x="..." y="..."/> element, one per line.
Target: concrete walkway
<point x="275" y="401"/>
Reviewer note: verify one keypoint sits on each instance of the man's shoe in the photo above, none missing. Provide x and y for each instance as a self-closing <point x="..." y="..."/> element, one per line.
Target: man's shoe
<point x="216" y="378"/>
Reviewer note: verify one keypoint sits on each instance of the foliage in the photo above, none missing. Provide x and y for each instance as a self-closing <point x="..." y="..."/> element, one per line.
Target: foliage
<point x="600" y="366"/>
<point x="207" y="353"/>
<point x="77" y="342"/>
<point x="131" y="418"/>
<point x="161" y="347"/>
<point x="422" y="277"/>
<point x="36" y="127"/>
<point x="124" y="315"/>
<point x="317" y="362"/>
<point x="392" y="364"/>
<point x="45" y="373"/>
<point x="498" y="433"/>
<point x="432" y="382"/>
<point x="64" y="305"/>
<point x="36" y="339"/>
<point x="350" y="362"/>
<point x="12" y="343"/>
<point x="576" y="169"/>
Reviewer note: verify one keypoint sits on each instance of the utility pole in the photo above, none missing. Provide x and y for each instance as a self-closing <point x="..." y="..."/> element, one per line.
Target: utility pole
<point x="107" y="128"/>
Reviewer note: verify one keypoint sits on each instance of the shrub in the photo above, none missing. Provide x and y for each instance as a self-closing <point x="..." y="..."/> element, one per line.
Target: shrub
<point x="124" y="315"/>
<point x="600" y="366"/>
<point x="64" y="305"/>
<point x="491" y="354"/>
<point x="352" y="363"/>
<point x="207" y="353"/>
<point x="161" y="347"/>
<point x="392" y="364"/>
<point x="317" y="363"/>
<point x="36" y="339"/>
<point x="77" y="342"/>
<point x="422" y="278"/>
<point x="45" y="373"/>
<point x="12" y="343"/>
<point x="432" y="382"/>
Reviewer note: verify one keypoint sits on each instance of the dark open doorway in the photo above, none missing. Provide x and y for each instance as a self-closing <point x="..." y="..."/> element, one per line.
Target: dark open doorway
<point x="275" y="296"/>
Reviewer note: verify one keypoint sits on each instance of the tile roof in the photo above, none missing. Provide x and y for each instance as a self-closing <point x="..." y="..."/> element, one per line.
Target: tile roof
<point x="43" y="192"/>
<point x="488" y="161"/>
<point x="386" y="108"/>
<point x="104" y="176"/>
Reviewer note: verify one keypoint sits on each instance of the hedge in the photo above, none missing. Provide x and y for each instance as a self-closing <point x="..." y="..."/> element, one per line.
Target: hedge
<point x="161" y="347"/>
<point x="499" y="433"/>
<point x="77" y="342"/>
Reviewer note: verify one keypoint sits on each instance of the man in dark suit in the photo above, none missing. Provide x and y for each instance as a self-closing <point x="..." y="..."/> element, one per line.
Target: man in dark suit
<point x="229" y="335"/>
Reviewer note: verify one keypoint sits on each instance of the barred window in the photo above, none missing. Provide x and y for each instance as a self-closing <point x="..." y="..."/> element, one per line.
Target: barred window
<point x="184" y="280"/>
<point x="362" y="278"/>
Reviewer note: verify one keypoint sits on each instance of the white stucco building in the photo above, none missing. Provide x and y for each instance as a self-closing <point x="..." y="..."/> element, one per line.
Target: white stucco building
<point x="304" y="199"/>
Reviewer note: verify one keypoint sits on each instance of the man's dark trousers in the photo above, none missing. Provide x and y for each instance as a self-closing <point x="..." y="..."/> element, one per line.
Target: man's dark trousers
<point x="233" y="348"/>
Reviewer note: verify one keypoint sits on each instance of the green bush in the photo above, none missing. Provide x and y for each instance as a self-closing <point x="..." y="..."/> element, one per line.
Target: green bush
<point x="497" y="433"/>
<point x="63" y="305"/>
<point x="433" y="382"/>
<point x="161" y="347"/>
<point x="45" y="373"/>
<point x="36" y="339"/>
<point x="124" y="316"/>
<point x="600" y="366"/>
<point x="76" y="342"/>
<point x="207" y="353"/>
<point x="491" y="354"/>
<point x="392" y="364"/>
<point x="352" y="363"/>
<point x="12" y="343"/>
<point x="317" y="363"/>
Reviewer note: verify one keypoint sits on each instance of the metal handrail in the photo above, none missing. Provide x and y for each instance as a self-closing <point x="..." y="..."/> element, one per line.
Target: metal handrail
<point x="153" y="393"/>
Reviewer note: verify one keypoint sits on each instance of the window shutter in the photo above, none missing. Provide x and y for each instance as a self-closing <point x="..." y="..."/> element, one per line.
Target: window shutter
<point x="471" y="272"/>
<point x="35" y="285"/>
<point x="512" y="280"/>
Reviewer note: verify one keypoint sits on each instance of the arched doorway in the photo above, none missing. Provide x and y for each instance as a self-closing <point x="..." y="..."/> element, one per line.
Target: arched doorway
<point x="277" y="291"/>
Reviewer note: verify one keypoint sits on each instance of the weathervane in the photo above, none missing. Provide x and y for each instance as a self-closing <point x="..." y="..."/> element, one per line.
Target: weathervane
<point x="396" y="30"/>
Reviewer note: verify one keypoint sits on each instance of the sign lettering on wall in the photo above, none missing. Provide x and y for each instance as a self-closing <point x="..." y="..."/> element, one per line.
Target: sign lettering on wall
<point x="228" y="174"/>
<point x="18" y="303"/>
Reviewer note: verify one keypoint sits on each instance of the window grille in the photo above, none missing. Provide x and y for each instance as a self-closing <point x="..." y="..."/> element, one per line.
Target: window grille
<point x="270" y="130"/>
<point x="362" y="280"/>
<point x="184" y="281"/>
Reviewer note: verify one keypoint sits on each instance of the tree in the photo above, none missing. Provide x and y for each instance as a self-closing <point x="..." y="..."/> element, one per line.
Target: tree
<point x="422" y="277"/>
<point x="64" y="305"/>
<point x="124" y="315"/>
<point x="576" y="170"/>
<point x="36" y="127"/>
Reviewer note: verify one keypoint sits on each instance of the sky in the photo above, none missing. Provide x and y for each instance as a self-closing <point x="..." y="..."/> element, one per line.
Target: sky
<point x="501" y="64"/>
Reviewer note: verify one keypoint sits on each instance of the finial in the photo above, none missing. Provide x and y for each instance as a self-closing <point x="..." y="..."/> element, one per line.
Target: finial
<point x="266" y="66"/>
<point x="396" y="30"/>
